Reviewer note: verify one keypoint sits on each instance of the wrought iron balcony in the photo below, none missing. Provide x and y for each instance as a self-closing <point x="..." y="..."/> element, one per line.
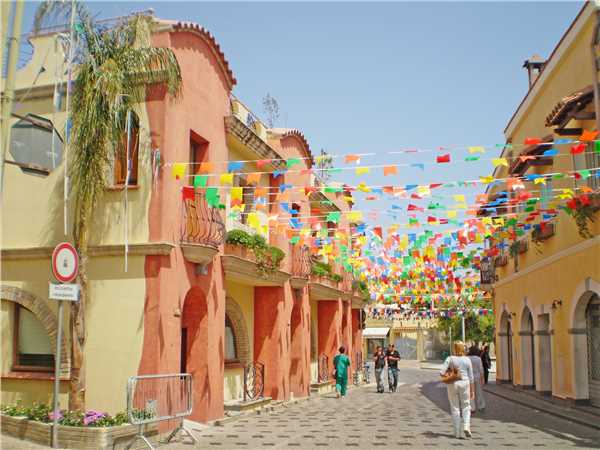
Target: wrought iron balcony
<point x="202" y="230"/>
<point x="323" y="368"/>
<point x="254" y="381"/>
<point x="301" y="264"/>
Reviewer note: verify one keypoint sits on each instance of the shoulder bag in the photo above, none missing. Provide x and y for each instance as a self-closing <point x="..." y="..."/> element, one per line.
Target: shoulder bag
<point x="452" y="374"/>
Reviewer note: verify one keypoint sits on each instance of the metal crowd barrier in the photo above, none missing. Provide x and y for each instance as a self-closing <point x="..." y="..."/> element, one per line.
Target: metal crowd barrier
<point x="155" y="398"/>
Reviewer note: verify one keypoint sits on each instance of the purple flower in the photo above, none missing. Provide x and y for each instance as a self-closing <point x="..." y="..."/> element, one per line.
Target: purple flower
<point x="93" y="416"/>
<point x="59" y="415"/>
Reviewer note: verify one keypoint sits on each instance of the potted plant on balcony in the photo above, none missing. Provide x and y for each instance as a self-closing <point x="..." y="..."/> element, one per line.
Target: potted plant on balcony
<point x="582" y="208"/>
<point x="267" y="257"/>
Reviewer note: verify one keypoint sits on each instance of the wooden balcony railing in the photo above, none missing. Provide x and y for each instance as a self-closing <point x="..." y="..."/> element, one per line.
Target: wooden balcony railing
<point x="201" y="224"/>
<point x="301" y="264"/>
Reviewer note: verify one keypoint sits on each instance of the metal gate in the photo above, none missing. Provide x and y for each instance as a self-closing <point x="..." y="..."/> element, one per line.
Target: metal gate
<point x="407" y="347"/>
<point x="593" y="338"/>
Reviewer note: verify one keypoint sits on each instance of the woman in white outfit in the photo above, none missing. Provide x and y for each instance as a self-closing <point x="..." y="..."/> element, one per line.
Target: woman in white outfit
<point x="461" y="391"/>
<point x="478" y="403"/>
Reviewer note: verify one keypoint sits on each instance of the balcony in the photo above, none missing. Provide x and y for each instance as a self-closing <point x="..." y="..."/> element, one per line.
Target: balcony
<point x="324" y="284"/>
<point x="301" y="266"/>
<point x="202" y="231"/>
<point x="501" y="260"/>
<point x="251" y="267"/>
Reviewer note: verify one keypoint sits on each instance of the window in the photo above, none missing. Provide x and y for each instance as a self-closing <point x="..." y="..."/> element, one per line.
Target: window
<point x="31" y="145"/>
<point x="32" y="348"/>
<point x="247" y="196"/>
<point x="121" y="163"/>
<point x="230" y="347"/>
<point x="587" y="160"/>
<point x="198" y="154"/>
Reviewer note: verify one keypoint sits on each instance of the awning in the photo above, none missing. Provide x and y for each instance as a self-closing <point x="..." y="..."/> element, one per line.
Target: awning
<point x="380" y="332"/>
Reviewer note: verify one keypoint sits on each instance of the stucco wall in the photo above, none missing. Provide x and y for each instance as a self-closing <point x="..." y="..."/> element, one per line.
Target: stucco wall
<point x="114" y="321"/>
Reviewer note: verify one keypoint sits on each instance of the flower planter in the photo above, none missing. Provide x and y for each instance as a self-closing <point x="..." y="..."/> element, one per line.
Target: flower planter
<point x="83" y="438"/>
<point x="239" y="251"/>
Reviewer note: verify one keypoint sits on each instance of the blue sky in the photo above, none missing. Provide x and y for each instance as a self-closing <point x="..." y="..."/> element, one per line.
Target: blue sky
<point x="378" y="77"/>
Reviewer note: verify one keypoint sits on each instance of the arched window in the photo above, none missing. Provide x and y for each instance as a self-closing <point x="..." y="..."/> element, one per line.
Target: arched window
<point x="32" y="348"/>
<point x="230" y="343"/>
<point x="32" y="147"/>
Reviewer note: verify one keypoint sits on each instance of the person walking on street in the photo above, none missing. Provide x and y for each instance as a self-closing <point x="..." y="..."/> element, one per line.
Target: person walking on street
<point x="486" y="362"/>
<point x="341" y="363"/>
<point x="460" y="392"/>
<point x="393" y="357"/>
<point x="379" y="359"/>
<point x="478" y="403"/>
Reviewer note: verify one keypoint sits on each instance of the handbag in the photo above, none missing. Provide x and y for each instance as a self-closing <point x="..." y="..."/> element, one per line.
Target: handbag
<point x="451" y="375"/>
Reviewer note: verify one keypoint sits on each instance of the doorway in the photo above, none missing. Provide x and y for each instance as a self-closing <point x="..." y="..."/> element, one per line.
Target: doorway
<point x="593" y="338"/>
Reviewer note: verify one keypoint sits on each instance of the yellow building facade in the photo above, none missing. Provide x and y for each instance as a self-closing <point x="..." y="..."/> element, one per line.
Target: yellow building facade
<point x="546" y="294"/>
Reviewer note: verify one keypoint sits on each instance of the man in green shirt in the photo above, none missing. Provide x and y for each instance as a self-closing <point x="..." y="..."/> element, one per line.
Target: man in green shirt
<point x="341" y="363"/>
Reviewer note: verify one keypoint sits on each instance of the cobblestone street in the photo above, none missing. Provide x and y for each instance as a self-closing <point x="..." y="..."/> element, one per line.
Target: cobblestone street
<point x="414" y="417"/>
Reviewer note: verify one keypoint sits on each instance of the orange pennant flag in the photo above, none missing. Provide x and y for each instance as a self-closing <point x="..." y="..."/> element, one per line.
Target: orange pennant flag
<point x="253" y="178"/>
<point x="588" y="135"/>
<point x="352" y="158"/>
<point x="206" y="167"/>
<point x="390" y="170"/>
<point x="260" y="192"/>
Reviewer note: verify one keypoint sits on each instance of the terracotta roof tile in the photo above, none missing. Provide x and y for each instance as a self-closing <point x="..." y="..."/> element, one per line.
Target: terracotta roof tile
<point x="210" y="39"/>
<point x="564" y="106"/>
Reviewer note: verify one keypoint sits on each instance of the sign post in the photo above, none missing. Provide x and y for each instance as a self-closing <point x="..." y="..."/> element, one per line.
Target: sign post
<point x="65" y="264"/>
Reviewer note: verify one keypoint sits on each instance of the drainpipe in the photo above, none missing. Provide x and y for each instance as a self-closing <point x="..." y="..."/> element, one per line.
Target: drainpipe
<point x="595" y="60"/>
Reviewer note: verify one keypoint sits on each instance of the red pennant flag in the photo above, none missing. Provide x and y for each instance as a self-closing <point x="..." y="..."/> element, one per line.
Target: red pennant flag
<point x="187" y="193"/>
<point x="435" y="185"/>
<point x="532" y="141"/>
<point x="577" y="149"/>
<point x="262" y="163"/>
<point x="412" y="207"/>
<point x="443" y="158"/>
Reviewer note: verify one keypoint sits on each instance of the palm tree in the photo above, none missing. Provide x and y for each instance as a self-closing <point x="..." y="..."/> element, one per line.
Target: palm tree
<point x="114" y="65"/>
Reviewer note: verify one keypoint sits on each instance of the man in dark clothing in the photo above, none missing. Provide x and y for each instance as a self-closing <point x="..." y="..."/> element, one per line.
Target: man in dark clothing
<point x="486" y="361"/>
<point x="393" y="357"/>
<point x="379" y="359"/>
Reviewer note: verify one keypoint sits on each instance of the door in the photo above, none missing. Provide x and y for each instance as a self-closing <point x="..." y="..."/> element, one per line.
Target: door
<point x="593" y="337"/>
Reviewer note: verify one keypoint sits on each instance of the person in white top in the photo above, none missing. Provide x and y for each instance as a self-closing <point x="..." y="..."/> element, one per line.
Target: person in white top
<point x="478" y="403"/>
<point x="461" y="391"/>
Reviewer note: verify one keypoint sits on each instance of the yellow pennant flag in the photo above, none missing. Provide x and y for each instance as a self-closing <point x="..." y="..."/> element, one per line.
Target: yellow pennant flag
<point x="541" y="180"/>
<point x="499" y="221"/>
<point x="226" y="178"/>
<point x="236" y="193"/>
<point x="459" y="198"/>
<point x="500" y="162"/>
<point x="486" y="180"/>
<point x="363" y="187"/>
<point x="355" y="216"/>
<point x="361" y="170"/>
<point x="451" y="214"/>
<point x="476" y="149"/>
<point x="178" y="170"/>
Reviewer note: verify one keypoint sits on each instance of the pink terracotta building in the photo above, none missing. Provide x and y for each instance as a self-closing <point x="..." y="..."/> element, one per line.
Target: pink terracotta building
<point x="190" y="302"/>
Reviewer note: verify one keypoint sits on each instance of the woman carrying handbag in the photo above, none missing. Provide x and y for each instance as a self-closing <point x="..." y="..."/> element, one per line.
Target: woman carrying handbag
<point x="457" y="373"/>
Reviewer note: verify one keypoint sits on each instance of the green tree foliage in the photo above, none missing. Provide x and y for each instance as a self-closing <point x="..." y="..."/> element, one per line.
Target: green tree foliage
<point x="478" y="328"/>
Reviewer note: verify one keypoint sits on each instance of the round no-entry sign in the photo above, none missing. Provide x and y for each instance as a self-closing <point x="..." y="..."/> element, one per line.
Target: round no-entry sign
<point x="65" y="262"/>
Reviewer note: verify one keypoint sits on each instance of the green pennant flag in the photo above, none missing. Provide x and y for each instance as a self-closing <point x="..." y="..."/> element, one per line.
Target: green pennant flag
<point x="294" y="240"/>
<point x="584" y="173"/>
<point x="333" y="216"/>
<point x="472" y="158"/>
<point x="333" y="189"/>
<point x="200" y="181"/>
<point x="212" y="197"/>
<point x="597" y="146"/>
<point x="292" y="162"/>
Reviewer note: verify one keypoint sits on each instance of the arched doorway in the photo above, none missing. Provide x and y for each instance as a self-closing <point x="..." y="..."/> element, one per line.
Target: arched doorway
<point x="527" y="350"/>
<point x="505" y="349"/>
<point x="592" y="316"/>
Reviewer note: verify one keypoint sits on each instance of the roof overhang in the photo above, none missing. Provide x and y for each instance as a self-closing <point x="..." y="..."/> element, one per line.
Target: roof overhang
<point x="380" y="333"/>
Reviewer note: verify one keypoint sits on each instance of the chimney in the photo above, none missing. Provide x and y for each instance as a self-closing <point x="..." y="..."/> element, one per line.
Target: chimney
<point x="534" y="66"/>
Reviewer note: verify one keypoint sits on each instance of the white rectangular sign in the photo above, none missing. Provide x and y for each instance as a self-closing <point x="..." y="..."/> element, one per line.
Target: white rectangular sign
<point x="69" y="292"/>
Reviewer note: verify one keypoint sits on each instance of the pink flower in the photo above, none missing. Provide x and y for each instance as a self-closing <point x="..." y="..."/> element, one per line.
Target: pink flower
<point x="58" y="414"/>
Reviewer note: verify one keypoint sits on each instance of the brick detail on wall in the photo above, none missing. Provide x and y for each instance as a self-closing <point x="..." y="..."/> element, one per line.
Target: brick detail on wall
<point x="44" y="314"/>
<point x="240" y="330"/>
